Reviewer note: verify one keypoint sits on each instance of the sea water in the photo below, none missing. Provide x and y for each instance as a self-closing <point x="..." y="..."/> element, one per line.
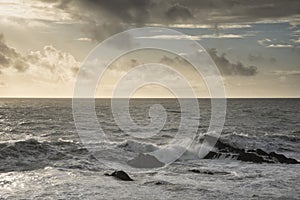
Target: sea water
<point x="43" y="157"/>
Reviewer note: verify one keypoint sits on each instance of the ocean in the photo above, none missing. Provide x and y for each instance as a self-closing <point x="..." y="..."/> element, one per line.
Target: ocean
<point x="42" y="155"/>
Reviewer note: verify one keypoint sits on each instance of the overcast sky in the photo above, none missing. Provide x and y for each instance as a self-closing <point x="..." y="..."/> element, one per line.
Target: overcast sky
<point x="255" y="44"/>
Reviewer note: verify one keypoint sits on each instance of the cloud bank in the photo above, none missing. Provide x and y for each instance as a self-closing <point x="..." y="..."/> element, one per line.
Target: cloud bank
<point x="225" y="66"/>
<point x="10" y="58"/>
<point x="49" y="64"/>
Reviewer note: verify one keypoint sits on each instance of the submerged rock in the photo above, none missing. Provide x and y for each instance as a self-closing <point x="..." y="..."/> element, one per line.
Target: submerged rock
<point x="120" y="175"/>
<point x="197" y="171"/>
<point x="157" y="182"/>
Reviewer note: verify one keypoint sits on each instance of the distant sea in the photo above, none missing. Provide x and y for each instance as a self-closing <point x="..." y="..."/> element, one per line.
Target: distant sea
<point x="42" y="157"/>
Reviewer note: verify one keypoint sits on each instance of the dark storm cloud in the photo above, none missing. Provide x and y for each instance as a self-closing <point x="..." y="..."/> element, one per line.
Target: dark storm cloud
<point x="98" y="32"/>
<point x="106" y="17"/>
<point x="228" y="68"/>
<point x="179" y="12"/>
<point x="130" y="11"/>
<point x="243" y="10"/>
<point x="147" y="10"/>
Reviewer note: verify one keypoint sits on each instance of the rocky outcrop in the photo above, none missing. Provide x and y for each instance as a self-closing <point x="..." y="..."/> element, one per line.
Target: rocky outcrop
<point x="121" y="175"/>
<point x="225" y="150"/>
<point x="145" y="161"/>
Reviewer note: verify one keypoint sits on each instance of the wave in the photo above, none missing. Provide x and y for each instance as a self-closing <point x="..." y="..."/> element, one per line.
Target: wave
<point x="223" y="149"/>
<point x="290" y="138"/>
<point x="31" y="154"/>
<point x="137" y="147"/>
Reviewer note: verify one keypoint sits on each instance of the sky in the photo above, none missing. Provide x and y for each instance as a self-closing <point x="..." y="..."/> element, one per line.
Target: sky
<point x="255" y="44"/>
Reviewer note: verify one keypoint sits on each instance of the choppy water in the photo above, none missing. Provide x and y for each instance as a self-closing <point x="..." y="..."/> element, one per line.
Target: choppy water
<point x="41" y="155"/>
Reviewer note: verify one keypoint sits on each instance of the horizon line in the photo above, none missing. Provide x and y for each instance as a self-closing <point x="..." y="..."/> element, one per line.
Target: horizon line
<point x="150" y="98"/>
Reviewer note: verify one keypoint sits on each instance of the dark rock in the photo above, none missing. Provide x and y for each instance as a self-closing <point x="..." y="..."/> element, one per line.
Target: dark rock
<point x="283" y="159"/>
<point x="120" y="175"/>
<point x="252" y="157"/>
<point x="157" y="182"/>
<point x="223" y="147"/>
<point x="161" y="183"/>
<point x="197" y="171"/>
<point x="261" y="152"/>
<point x="212" y="155"/>
<point x="208" y="172"/>
<point x="145" y="161"/>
